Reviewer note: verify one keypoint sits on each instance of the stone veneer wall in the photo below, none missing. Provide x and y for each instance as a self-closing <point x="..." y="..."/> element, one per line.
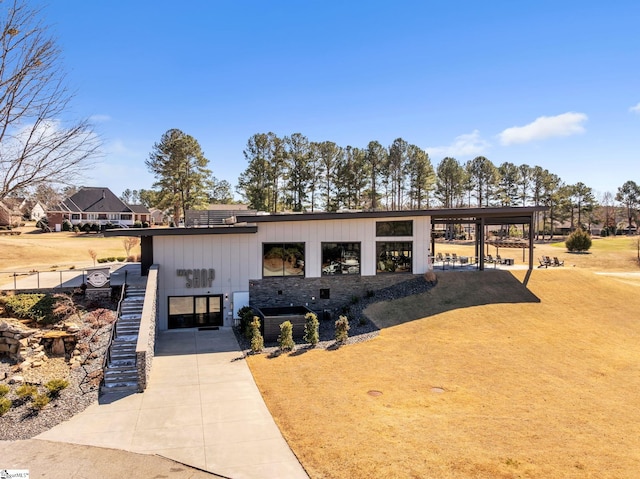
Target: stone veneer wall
<point x="145" y="349"/>
<point x="297" y="291"/>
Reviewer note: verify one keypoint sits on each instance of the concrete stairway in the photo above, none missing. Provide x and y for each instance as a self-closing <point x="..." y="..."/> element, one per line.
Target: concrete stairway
<point x="121" y="374"/>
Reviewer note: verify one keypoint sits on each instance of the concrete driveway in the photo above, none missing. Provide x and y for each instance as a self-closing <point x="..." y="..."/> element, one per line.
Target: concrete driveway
<point x="201" y="408"/>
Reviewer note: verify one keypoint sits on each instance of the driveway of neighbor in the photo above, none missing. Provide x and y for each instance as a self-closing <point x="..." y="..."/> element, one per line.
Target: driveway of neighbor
<point x="201" y="407"/>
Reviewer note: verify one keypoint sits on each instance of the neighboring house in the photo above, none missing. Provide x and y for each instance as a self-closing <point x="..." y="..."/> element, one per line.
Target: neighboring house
<point x="11" y="211"/>
<point x="158" y="217"/>
<point x="37" y="211"/>
<point x="140" y="213"/>
<point x="93" y="205"/>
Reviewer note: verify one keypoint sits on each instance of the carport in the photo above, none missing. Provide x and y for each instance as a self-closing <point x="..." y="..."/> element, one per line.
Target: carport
<point x="483" y="217"/>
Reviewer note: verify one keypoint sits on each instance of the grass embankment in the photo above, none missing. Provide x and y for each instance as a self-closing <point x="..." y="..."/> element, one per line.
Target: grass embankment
<point x="538" y="382"/>
<point x="43" y="251"/>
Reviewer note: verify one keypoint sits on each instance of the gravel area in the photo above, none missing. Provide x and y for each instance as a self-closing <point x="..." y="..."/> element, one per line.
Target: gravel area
<point x="361" y="328"/>
<point x="22" y="421"/>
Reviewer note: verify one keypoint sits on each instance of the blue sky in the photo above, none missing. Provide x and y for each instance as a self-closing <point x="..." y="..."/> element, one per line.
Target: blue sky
<point x="548" y="83"/>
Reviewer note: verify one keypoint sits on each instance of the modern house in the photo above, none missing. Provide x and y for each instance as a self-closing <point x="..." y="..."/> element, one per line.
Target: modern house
<point x="317" y="260"/>
<point x="95" y="205"/>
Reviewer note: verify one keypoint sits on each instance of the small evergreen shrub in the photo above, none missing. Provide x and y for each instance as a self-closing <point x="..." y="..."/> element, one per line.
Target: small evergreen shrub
<point x="137" y="224"/>
<point x="257" y="341"/>
<point x="86" y="227"/>
<point x="40" y="401"/>
<point x="311" y="326"/>
<point x="67" y="226"/>
<point x="26" y="391"/>
<point x="103" y="260"/>
<point x="285" y="339"/>
<point x="342" y="329"/>
<point x="5" y="405"/>
<point x="121" y="259"/>
<point x="95" y="227"/>
<point x="578" y="241"/>
<point x="55" y="386"/>
<point x="246" y="318"/>
<point x="145" y="224"/>
<point x="4" y="389"/>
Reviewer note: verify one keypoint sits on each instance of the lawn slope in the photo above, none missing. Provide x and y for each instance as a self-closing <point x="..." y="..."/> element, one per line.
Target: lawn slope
<point x="479" y="378"/>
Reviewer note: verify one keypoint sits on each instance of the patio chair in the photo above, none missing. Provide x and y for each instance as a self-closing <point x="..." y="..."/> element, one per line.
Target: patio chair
<point x="543" y="262"/>
<point x="499" y="259"/>
<point x="439" y="257"/>
<point x="489" y="259"/>
<point x="557" y="262"/>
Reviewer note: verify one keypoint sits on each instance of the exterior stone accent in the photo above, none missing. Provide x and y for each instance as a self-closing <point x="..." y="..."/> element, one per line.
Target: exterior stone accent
<point x="296" y="291"/>
<point x="145" y="348"/>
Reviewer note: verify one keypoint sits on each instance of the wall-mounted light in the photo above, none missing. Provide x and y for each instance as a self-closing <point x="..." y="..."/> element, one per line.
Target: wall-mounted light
<point x="226" y="297"/>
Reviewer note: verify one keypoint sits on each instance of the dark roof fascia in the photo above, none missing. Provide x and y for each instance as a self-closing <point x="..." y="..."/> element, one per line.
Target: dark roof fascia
<point x="451" y="213"/>
<point x="214" y="230"/>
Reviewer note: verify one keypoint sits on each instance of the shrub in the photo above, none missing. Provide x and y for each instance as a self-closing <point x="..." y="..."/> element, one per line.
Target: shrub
<point x="111" y="259"/>
<point x="86" y="227"/>
<point x="67" y="226"/>
<point x="26" y="391"/>
<point x="40" y="401"/>
<point x="4" y="390"/>
<point x="257" y="341"/>
<point x="35" y="306"/>
<point x="342" y="329"/>
<point x="137" y="224"/>
<point x="579" y="240"/>
<point x="103" y="260"/>
<point x="95" y="227"/>
<point x="55" y="386"/>
<point x="43" y="224"/>
<point x="5" y="405"/>
<point x="311" y="326"/>
<point x="145" y="224"/>
<point x="121" y="259"/>
<point x="246" y="318"/>
<point x="285" y="339"/>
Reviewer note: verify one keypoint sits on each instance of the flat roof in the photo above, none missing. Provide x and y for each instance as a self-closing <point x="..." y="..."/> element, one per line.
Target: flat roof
<point x="167" y="231"/>
<point x="247" y="224"/>
<point x="438" y="213"/>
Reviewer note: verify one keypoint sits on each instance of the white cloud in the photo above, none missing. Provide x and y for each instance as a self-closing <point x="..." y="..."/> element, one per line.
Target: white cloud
<point x="469" y="144"/>
<point x="543" y="127"/>
<point x="99" y="118"/>
<point x="635" y="109"/>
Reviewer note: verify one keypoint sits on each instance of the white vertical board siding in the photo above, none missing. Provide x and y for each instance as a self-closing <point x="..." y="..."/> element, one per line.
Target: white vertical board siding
<point x="226" y="254"/>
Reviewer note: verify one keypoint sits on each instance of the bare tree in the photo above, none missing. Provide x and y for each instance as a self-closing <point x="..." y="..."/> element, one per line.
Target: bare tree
<point x="37" y="145"/>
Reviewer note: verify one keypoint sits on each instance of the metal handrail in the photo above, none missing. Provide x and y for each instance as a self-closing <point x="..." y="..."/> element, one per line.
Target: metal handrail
<point x="107" y="356"/>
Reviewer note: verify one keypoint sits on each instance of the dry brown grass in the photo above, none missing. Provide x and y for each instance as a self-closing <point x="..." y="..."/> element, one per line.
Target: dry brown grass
<point x="40" y="251"/>
<point x="540" y="381"/>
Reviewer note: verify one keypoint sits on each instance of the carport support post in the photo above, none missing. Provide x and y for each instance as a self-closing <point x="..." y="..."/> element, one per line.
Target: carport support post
<point x="531" y="242"/>
<point x="481" y="236"/>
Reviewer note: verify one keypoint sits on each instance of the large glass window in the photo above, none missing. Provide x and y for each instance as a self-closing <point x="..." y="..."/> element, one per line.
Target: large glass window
<point x="340" y="258"/>
<point x="394" y="228"/>
<point x="282" y="259"/>
<point x="394" y="257"/>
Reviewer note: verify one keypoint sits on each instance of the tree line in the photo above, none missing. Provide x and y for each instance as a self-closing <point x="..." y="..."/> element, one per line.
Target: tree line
<point x="295" y="174"/>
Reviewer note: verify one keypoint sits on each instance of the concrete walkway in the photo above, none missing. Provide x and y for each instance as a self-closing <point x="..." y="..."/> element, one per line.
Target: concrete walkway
<point x="201" y="408"/>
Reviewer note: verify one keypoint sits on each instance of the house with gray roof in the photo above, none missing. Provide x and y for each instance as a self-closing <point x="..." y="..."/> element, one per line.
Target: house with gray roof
<point x="96" y="205"/>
